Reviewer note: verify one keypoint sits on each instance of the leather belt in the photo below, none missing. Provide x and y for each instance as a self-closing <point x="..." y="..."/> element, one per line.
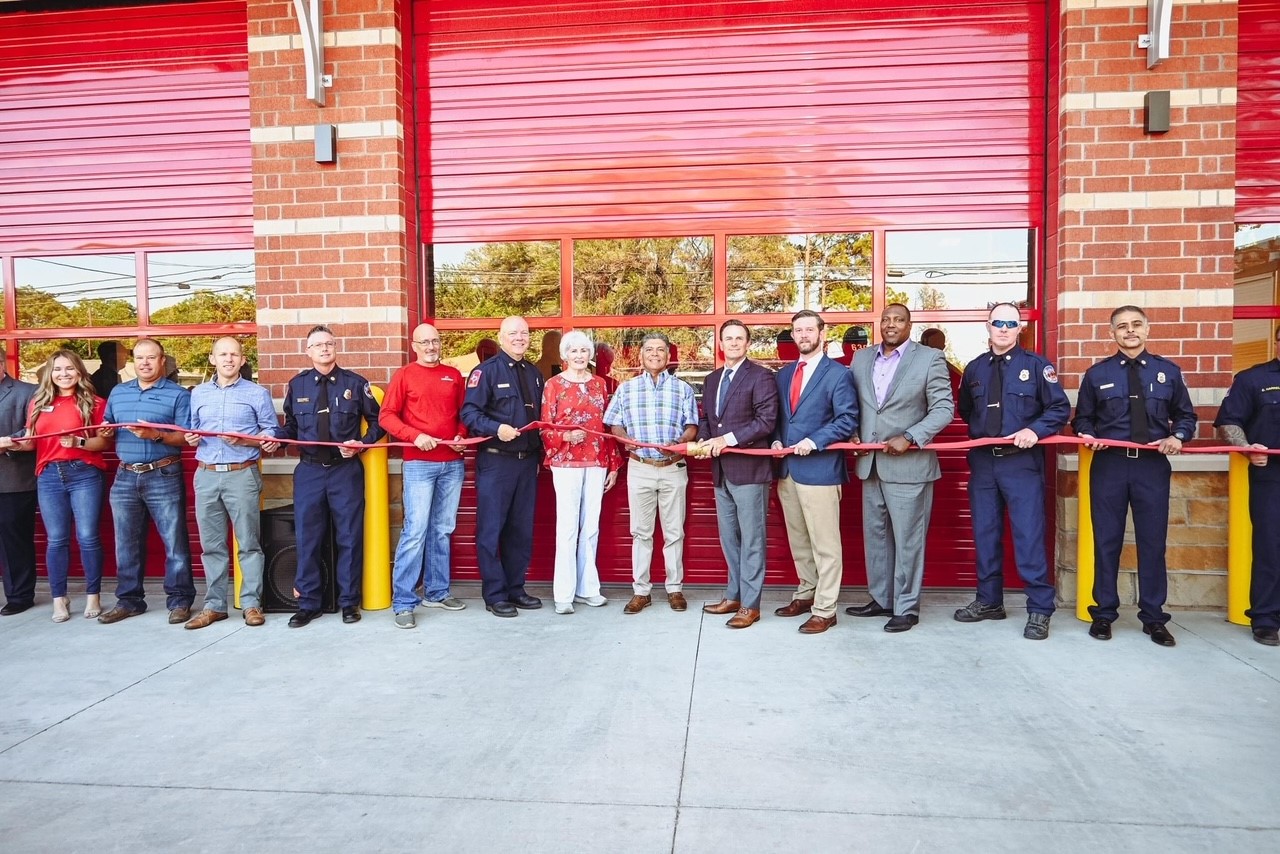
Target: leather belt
<point x="1135" y="453"/>
<point x="143" y="468"/>
<point x="315" y="461"/>
<point x="658" y="464"/>
<point x="519" y="455"/>
<point x="1006" y="450"/>
<point x="226" y="466"/>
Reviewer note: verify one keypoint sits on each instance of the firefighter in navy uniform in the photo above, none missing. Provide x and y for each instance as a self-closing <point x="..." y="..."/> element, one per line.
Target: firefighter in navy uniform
<point x="1250" y="418"/>
<point x="504" y="394"/>
<point x="325" y="404"/>
<point x="1132" y="396"/>
<point x="1010" y="393"/>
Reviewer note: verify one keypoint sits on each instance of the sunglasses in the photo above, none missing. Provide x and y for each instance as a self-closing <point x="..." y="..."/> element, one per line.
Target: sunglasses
<point x="1005" y="324"/>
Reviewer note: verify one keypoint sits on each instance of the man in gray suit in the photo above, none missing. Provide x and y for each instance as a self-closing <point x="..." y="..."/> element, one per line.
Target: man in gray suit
<point x="904" y="395"/>
<point x="17" y="499"/>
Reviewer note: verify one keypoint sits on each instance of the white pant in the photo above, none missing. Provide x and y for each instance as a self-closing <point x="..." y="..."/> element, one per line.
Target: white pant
<point x="578" y="494"/>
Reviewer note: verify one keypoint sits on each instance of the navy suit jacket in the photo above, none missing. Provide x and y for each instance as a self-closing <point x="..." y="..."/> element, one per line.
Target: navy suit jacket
<point x="827" y="412"/>
<point x="750" y="413"/>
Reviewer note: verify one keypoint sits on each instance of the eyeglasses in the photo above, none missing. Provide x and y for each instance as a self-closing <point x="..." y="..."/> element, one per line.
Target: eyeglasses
<point x="428" y="342"/>
<point x="323" y="345"/>
<point x="1004" y="324"/>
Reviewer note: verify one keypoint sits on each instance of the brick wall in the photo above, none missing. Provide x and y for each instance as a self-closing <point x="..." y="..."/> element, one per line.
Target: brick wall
<point x="1147" y="220"/>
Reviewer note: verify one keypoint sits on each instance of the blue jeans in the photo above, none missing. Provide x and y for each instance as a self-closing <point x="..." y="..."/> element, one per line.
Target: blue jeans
<point x="431" y="493"/>
<point x="71" y="492"/>
<point x="159" y="495"/>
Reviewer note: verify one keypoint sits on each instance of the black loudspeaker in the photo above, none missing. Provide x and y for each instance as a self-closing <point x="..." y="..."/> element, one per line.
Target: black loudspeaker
<point x="280" y="558"/>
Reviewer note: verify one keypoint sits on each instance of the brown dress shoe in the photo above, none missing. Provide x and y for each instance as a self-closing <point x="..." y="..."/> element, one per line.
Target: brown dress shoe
<point x="677" y="601"/>
<point x="205" y="618"/>
<point x="179" y="615"/>
<point x="745" y="617"/>
<point x="637" y="604"/>
<point x="254" y="617"/>
<point x="724" y="606"/>
<point x="816" y="625"/>
<point x="117" y="614"/>
<point x="794" y="608"/>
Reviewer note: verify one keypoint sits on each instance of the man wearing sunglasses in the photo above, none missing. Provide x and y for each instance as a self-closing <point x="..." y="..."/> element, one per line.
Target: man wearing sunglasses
<point x="1013" y="395"/>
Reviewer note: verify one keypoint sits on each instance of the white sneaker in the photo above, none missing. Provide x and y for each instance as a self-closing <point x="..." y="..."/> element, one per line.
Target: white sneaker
<point x="564" y="607"/>
<point x="593" y="601"/>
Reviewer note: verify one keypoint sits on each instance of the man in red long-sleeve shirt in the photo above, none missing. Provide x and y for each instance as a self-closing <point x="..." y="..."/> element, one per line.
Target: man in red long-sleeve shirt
<point x="421" y="406"/>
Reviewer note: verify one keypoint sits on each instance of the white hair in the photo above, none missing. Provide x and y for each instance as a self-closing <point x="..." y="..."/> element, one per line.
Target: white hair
<point x="575" y="338"/>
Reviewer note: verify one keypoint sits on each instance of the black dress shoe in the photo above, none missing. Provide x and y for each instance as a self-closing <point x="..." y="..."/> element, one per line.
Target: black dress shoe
<point x="1159" y="634"/>
<point x="12" y="608"/>
<point x="503" y="609"/>
<point x="302" y="617"/>
<point x="871" y="609"/>
<point x="524" y="600"/>
<point x="901" y="623"/>
<point x="1100" y="629"/>
<point x="1266" y="636"/>
<point x="350" y="614"/>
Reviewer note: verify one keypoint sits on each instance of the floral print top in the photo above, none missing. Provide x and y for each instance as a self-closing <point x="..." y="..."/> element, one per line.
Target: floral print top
<point x="582" y="405"/>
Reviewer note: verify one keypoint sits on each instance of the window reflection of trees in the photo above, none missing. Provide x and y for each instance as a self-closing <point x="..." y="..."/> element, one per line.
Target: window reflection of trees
<point x="778" y="273"/>
<point x="497" y="279"/>
<point x="660" y="275"/>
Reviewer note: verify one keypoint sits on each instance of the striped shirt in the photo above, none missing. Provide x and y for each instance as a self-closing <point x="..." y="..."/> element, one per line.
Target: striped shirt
<point x="242" y="407"/>
<point x="166" y="402"/>
<point x="653" y="412"/>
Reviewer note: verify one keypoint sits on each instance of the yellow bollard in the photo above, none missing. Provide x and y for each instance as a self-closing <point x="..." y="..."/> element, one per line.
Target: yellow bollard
<point x="1239" y="541"/>
<point x="377" y="525"/>
<point x="1084" y="538"/>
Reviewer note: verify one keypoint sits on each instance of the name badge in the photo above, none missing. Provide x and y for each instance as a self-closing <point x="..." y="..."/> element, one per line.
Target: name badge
<point x="504" y="385"/>
<point x="1107" y="386"/>
<point x="46" y="409"/>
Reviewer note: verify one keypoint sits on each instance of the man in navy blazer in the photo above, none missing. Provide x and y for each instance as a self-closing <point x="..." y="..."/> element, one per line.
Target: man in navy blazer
<point x="818" y="406"/>
<point x="739" y="410"/>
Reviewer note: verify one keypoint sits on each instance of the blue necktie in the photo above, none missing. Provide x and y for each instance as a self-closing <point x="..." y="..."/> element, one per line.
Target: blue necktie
<point x="723" y="391"/>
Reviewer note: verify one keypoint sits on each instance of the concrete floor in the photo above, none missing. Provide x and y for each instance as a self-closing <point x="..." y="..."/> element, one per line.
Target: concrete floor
<point x="660" y="732"/>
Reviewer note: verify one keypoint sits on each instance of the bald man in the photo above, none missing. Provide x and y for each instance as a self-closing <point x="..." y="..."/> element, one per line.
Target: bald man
<point x="228" y="484"/>
<point x="423" y="406"/>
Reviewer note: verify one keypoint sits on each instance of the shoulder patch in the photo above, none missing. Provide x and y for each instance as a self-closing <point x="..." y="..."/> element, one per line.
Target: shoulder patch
<point x="368" y="391"/>
<point x="474" y="379"/>
<point x="1050" y="375"/>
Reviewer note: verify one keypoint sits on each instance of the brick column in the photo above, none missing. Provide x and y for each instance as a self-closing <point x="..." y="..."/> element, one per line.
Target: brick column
<point x="334" y="243"/>
<point x="1148" y="220"/>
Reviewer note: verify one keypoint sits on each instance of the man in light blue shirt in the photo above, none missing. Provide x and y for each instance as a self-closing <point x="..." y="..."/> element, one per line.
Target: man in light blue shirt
<point x="228" y="484"/>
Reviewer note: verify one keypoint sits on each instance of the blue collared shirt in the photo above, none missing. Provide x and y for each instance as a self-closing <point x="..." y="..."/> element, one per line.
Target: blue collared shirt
<point x="653" y="412"/>
<point x="241" y="407"/>
<point x="166" y="402"/>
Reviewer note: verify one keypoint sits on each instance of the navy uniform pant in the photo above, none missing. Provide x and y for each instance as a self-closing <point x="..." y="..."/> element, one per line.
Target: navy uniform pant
<point x="18" y="546"/>
<point x="1264" y="584"/>
<point x="325" y="496"/>
<point x="1117" y="483"/>
<point x="1015" y="484"/>
<point x="506" y="489"/>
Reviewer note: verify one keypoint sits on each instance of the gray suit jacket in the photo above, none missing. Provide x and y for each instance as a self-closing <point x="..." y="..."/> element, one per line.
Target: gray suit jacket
<point x="918" y="402"/>
<point x="17" y="469"/>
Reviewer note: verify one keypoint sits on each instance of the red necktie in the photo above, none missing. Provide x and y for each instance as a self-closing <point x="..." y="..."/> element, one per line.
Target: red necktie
<point x="797" y="380"/>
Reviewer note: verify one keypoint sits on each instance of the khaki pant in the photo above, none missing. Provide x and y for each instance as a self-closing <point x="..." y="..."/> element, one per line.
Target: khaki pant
<point x="662" y="490"/>
<point x="813" y="531"/>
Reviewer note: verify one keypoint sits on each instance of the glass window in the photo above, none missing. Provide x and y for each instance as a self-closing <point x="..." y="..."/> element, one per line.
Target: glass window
<point x="1257" y="294"/>
<point x="496" y="279"/>
<point x="76" y="291"/>
<point x="785" y="273"/>
<point x="933" y="270"/>
<point x="654" y="275"/>
<point x="692" y="352"/>
<point x="201" y="287"/>
<point x="190" y="354"/>
<point x="961" y="341"/>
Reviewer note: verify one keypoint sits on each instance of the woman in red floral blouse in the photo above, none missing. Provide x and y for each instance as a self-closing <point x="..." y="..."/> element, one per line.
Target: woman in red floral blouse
<point x="584" y="466"/>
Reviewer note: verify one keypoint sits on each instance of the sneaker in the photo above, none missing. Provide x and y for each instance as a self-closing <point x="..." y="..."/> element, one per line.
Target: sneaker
<point x="593" y="601"/>
<point x="405" y="620"/>
<point x="564" y="607"/>
<point x="977" y="611"/>
<point x="1037" y="627"/>
<point x="449" y="603"/>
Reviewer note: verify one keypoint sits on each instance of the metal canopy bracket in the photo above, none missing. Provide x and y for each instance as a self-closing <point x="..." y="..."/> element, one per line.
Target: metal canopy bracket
<point x="311" y="25"/>
<point x="1159" y="24"/>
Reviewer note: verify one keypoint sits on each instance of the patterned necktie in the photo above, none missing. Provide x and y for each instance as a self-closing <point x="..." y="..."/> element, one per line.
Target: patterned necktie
<point x="723" y="392"/>
<point x="995" y="399"/>
<point x="797" y="381"/>
<point x="1139" y="427"/>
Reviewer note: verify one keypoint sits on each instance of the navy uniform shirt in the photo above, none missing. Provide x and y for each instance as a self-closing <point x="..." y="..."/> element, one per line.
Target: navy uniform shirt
<point x="1253" y="405"/>
<point x="1031" y="394"/>
<point x="349" y="399"/>
<point x="1102" y="410"/>
<point x="494" y="398"/>
<point x="166" y="402"/>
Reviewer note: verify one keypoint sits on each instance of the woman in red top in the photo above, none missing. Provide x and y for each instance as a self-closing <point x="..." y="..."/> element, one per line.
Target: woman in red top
<point x="583" y="468"/>
<point x="69" y="472"/>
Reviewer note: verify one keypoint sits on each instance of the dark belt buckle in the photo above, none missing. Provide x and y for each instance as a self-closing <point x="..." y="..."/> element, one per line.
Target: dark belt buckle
<point x="999" y="451"/>
<point x="1133" y="453"/>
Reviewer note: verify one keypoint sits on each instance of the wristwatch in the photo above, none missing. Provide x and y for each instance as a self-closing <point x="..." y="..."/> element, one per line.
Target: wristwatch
<point x="910" y="439"/>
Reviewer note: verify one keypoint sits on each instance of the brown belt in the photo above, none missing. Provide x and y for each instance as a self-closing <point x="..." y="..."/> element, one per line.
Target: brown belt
<point x="670" y="461"/>
<point x="226" y="466"/>
<point x="143" y="468"/>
